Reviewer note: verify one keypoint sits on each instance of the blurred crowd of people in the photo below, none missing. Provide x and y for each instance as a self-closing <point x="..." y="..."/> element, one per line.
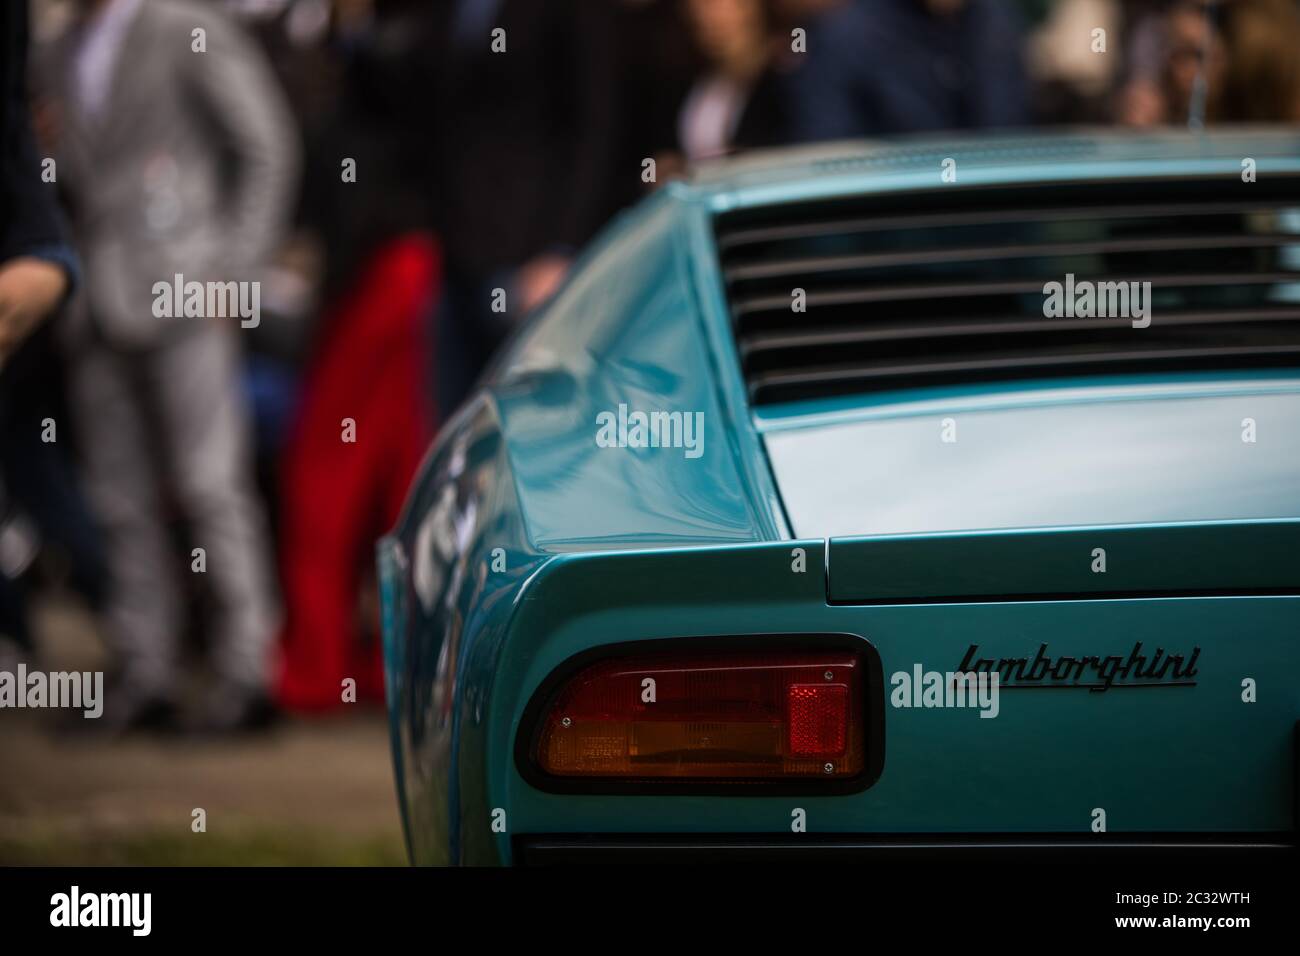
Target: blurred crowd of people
<point x="385" y="170"/>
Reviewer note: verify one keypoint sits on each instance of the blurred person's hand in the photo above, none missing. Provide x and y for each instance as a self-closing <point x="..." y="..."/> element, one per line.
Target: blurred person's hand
<point x="944" y="8"/>
<point x="794" y="12"/>
<point x="1192" y="53"/>
<point x="47" y="122"/>
<point x="732" y="34"/>
<point x="1141" y="104"/>
<point x="538" y="278"/>
<point x="669" y="165"/>
<point x="350" y="15"/>
<point x="29" y="289"/>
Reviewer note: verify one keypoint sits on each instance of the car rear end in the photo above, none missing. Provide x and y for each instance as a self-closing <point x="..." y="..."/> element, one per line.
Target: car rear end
<point x="1041" y="580"/>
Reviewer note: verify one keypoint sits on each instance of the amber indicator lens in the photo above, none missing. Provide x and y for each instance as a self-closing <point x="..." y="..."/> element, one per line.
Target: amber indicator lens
<point x="722" y="716"/>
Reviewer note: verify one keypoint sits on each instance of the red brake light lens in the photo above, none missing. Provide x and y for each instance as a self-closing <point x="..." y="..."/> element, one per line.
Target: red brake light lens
<point x="727" y="717"/>
<point x="819" y="719"/>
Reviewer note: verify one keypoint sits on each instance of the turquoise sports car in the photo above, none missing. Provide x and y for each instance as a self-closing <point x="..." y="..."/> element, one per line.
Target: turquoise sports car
<point x="740" y="546"/>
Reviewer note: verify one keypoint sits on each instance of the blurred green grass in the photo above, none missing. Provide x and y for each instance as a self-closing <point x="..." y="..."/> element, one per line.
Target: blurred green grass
<point x="307" y="792"/>
<point x="254" y="846"/>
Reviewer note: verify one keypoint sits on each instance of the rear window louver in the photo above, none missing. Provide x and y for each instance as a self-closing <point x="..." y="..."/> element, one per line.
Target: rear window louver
<point x="946" y="285"/>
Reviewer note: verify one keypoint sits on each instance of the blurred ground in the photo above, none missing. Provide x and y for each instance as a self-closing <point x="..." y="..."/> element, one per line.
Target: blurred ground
<point x="306" y="793"/>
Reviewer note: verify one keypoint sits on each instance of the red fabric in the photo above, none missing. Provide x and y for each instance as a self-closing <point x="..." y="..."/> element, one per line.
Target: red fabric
<point x="338" y="497"/>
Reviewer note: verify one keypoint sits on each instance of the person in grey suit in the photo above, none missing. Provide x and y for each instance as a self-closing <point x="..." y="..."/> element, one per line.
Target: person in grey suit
<point x="180" y="159"/>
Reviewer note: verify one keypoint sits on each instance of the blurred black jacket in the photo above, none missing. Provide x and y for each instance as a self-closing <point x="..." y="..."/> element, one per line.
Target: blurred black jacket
<point x="30" y="222"/>
<point x="522" y="141"/>
<point x="879" y="67"/>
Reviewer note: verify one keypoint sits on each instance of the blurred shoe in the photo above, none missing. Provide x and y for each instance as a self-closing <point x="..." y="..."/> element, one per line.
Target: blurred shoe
<point x="228" y="708"/>
<point x="128" y="708"/>
<point x="20" y="543"/>
<point x="12" y="654"/>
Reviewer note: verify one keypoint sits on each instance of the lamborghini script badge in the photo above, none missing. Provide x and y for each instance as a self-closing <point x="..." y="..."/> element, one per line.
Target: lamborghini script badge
<point x="1094" y="673"/>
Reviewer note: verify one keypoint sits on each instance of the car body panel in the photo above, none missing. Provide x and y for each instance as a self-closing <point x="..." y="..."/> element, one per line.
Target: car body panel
<point x="523" y="544"/>
<point x="916" y="163"/>
<point x="1050" y="758"/>
<point x="632" y="341"/>
<point x="1061" y="454"/>
<point x="1208" y="558"/>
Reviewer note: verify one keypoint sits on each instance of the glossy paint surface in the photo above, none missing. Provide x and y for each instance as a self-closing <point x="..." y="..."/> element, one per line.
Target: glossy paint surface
<point x="1061" y="454"/>
<point x="524" y="542"/>
<point x="1177" y="758"/>
<point x="631" y="338"/>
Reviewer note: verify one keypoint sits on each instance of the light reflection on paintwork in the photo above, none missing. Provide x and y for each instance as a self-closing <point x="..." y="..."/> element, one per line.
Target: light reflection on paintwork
<point x="1044" y="465"/>
<point x="643" y="321"/>
<point x="628" y="317"/>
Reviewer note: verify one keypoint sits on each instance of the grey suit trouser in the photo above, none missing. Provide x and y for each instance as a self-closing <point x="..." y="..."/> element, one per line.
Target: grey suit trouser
<point x="170" y="423"/>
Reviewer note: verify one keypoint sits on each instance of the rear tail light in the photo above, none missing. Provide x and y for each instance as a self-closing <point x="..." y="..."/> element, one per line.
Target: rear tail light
<point x="727" y="717"/>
